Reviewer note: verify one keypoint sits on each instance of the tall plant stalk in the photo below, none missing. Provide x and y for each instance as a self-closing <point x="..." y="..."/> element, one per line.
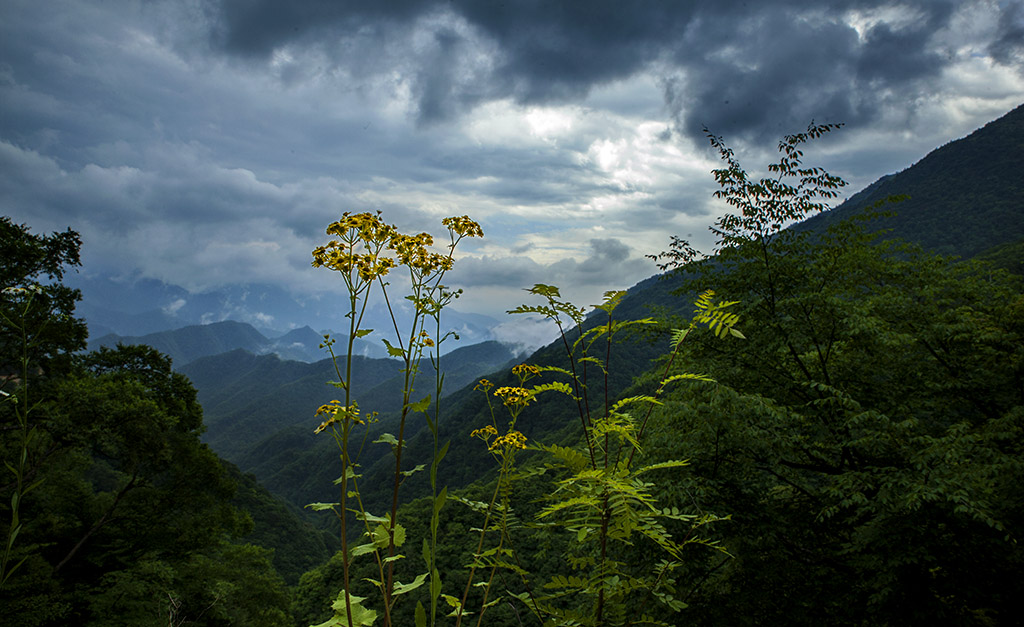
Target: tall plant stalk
<point x="365" y="250"/>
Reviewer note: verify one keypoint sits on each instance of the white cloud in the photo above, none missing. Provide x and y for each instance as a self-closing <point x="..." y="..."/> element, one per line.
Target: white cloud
<point x="174" y="306"/>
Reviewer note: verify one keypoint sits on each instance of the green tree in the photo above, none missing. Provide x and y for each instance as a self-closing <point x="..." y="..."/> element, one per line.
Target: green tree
<point x="866" y="436"/>
<point x="37" y="336"/>
<point x="38" y="260"/>
<point x="121" y="515"/>
<point x="134" y="510"/>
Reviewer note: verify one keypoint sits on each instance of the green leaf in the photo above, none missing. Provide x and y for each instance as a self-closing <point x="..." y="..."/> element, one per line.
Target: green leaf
<point x="557" y="386"/>
<point x="421" y="405"/>
<point x="363" y="549"/>
<point x="363" y="332"/>
<point x="319" y="507"/>
<point x="402" y="588"/>
<point x="361" y="616"/>
<point x="394" y="351"/>
<point x="408" y="473"/>
<point x="439" y="501"/>
<point x="442" y="453"/>
<point x="687" y="377"/>
<point x="421" y="615"/>
<point x="386" y="438"/>
<point x="399" y="535"/>
<point x="669" y="464"/>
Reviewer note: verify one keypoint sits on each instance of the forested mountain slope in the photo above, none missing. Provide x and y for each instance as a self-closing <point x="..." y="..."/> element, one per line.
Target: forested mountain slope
<point x="259" y="410"/>
<point x="964" y="197"/>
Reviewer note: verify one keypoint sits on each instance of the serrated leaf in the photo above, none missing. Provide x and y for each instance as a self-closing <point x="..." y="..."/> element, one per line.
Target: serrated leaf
<point x="675" y="463"/>
<point x="420" y="406"/>
<point x="319" y="507"/>
<point x="361" y="616"/>
<point x="363" y="549"/>
<point x="394" y="351"/>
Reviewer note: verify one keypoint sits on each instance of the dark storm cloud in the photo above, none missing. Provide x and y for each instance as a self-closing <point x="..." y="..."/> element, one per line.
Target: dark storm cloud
<point x="736" y="67"/>
<point x="781" y="69"/>
<point x="1009" y="44"/>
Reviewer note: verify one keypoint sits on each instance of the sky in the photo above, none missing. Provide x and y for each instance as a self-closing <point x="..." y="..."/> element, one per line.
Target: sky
<point x="208" y="143"/>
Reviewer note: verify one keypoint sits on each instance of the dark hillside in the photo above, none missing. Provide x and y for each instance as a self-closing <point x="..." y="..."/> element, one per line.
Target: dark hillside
<point x="248" y="397"/>
<point x="965" y="197"/>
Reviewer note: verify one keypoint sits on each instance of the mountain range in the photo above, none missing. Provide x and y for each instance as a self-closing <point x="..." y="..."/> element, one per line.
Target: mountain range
<point x="247" y="398"/>
<point x="136" y="307"/>
<point x="965" y="199"/>
<point x="298" y="467"/>
<point x="189" y="343"/>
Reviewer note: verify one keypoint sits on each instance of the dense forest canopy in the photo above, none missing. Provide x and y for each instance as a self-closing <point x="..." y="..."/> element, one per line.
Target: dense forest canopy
<point x="114" y="512"/>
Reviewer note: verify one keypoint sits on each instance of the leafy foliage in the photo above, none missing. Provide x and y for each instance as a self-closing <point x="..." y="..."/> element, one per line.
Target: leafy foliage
<point x="127" y="520"/>
<point x="863" y="437"/>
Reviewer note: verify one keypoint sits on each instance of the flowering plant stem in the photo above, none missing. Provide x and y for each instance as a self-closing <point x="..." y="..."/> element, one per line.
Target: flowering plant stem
<point x="365" y="251"/>
<point x="22" y="410"/>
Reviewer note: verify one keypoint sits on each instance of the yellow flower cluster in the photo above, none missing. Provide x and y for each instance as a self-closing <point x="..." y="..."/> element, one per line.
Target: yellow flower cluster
<point x="514" y="396"/>
<point x="412" y="251"/>
<point x="338" y="257"/>
<point x="362" y="238"/>
<point x="484" y="433"/>
<point x="425" y="339"/>
<point x="483" y="385"/>
<point x="512" y="439"/>
<point x="20" y="290"/>
<point x="524" y="370"/>
<point x="337" y="412"/>
<point x="369" y="226"/>
<point x="463" y="226"/>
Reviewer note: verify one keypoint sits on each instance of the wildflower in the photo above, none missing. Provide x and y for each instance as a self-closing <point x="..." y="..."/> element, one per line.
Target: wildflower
<point x="483" y="385"/>
<point x="484" y="433"/>
<point x="522" y="370"/>
<point x="367" y="226"/>
<point x="336" y="413"/>
<point x="463" y="226"/>
<point x="362" y="237"/>
<point x="412" y="251"/>
<point x="19" y="290"/>
<point x="512" y="439"/>
<point x="512" y="396"/>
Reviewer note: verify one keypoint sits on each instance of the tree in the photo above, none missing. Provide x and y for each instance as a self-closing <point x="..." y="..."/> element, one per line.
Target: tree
<point x="37" y="336"/>
<point x="866" y="436"/>
<point x="38" y="261"/>
<point x="121" y="515"/>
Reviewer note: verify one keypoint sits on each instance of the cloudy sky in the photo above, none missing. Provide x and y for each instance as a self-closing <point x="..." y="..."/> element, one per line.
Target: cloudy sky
<point x="209" y="142"/>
